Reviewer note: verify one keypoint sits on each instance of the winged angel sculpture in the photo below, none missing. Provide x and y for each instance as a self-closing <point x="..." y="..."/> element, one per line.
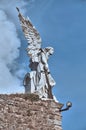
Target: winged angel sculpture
<point x="39" y="80"/>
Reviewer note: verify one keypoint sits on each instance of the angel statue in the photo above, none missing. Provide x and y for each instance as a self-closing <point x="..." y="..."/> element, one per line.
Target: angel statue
<point x="39" y="80"/>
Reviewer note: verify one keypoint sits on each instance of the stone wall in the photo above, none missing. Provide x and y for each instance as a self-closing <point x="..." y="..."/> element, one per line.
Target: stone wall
<point x="28" y="112"/>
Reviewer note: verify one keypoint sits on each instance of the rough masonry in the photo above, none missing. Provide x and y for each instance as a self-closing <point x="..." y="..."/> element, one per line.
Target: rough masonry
<point x="28" y="112"/>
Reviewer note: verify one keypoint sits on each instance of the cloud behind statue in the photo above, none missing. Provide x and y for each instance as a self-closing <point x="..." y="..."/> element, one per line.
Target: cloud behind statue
<point x="9" y="47"/>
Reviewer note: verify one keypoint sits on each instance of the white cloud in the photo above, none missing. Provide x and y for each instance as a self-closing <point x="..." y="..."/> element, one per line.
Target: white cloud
<point x="9" y="46"/>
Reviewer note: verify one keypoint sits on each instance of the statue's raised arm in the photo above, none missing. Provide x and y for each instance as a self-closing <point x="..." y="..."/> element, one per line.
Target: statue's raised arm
<point x="39" y="80"/>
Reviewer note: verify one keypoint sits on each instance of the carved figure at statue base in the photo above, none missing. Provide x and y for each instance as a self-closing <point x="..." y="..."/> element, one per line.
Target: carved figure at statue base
<point x="39" y="80"/>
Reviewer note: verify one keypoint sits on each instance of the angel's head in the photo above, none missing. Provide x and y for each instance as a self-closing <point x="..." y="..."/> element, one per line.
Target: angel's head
<point x="49" y="50"/>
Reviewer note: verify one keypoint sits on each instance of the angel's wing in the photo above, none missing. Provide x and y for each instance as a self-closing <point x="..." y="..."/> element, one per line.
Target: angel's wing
<point x="30" y="32"/>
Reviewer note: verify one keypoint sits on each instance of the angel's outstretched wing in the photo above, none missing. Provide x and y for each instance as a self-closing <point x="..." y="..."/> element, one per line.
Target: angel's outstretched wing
<point x="30" y="32"/>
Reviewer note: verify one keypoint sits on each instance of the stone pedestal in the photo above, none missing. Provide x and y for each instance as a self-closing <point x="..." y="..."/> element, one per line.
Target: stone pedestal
<point x="28" y="112"/>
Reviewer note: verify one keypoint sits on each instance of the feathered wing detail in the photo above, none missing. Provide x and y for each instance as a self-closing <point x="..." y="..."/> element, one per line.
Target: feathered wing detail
<point x="30" y="32"/>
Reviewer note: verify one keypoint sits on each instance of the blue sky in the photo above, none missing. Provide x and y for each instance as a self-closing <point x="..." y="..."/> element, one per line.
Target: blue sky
<point x="62" y="25"/>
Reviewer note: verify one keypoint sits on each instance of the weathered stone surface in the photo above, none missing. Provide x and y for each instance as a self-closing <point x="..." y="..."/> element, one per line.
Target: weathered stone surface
<point x="23" y="112"/>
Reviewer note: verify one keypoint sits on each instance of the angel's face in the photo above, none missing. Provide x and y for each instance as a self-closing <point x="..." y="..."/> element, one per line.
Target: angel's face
<point x="51" y="51"/>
